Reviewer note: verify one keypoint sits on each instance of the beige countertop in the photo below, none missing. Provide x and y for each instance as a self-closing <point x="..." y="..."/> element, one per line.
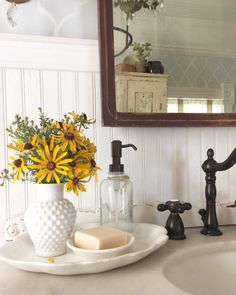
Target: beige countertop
<point x="143" y="277"/>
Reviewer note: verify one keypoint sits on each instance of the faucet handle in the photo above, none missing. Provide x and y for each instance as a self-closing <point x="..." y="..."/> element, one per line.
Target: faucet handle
<point x="228" y="205"/>
<point x="174" y="223"/>
<point x="174" y="206"/>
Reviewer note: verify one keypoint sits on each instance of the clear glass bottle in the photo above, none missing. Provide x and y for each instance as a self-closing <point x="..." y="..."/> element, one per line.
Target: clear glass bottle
<point x="116" y="193"/>
<point x="117" y="201"/>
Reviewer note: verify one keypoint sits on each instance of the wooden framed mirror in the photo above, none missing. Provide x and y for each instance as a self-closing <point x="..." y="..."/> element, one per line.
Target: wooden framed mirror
<point x="223" y="58"/>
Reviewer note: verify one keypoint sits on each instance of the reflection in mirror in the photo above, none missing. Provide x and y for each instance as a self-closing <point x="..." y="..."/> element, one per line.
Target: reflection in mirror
<point x="182" y="58"/>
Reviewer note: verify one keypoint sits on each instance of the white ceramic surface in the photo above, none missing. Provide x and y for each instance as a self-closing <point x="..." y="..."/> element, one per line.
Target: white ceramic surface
<point x="13" y="228"/>
<point x="20" y="253"/>
<point x="207" y="269"/>
<point x="50" y="220"/>
<point x="85" y="254"/>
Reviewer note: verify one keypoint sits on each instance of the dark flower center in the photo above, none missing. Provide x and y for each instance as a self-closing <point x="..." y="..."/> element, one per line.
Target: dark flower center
<point x="69" y="136"/>
<point x="51" y="165"/>
<point x="93" y="163"/>
<point x="72" y="164"/>
<point x="75" y="181"/>
<point x="28" y="146"/>
<point x="18" y="163"/>
<point x="83" y="116"/>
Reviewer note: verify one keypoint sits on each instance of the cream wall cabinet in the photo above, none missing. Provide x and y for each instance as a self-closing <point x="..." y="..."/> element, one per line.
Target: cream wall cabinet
<point x="141" y="92"/>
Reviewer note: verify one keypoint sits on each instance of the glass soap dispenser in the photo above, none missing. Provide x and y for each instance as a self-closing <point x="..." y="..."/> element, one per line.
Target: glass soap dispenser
<point x="116" y="195"/>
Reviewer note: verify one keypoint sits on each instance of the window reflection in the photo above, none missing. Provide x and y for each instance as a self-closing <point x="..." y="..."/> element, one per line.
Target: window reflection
<point x="195" y="105"/>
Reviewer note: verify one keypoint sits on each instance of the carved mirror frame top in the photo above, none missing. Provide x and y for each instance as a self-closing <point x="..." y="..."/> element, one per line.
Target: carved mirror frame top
<point x="110" y="116"/>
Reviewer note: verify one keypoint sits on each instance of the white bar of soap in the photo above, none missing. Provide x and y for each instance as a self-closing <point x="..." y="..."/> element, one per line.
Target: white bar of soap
<point x="100" y="238"/>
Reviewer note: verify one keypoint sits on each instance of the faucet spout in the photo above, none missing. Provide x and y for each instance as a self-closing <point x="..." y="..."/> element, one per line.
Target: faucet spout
<point x="210" y="167"/>
<point x="208" y="215"/>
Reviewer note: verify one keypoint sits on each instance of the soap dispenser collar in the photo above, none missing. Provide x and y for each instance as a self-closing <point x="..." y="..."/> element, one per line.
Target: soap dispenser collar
<point x="116" y="153"/>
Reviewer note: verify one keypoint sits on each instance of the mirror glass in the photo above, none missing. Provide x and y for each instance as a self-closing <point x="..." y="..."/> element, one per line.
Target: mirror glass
<point x="182" y="58"/>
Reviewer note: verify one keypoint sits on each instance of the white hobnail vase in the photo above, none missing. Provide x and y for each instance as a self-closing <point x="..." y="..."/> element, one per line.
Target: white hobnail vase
<point x="50" y="220"/>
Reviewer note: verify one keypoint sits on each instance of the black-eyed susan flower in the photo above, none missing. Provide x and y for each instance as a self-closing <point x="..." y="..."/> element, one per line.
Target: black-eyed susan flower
<point x="18" y="166"/>
<point x="77" y="116"/>
<point x="77" y="180"/>
<point x="90" y="147"/>
<point x="82" y="118"/>
<point x="77" y="165"/>
<point x="51" y="165"/>
<point x="69" y="137"/>
<point x="81" y="160"/>
<point x="94" y="169"/>
<point x="52" y="151"/>
<point x="21" y="146"/>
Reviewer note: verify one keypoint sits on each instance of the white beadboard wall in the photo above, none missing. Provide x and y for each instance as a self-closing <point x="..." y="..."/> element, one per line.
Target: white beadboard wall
<point x="61" y="76"/>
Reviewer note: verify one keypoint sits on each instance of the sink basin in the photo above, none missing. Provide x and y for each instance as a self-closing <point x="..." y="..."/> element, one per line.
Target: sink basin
<point x="205" y="270"/>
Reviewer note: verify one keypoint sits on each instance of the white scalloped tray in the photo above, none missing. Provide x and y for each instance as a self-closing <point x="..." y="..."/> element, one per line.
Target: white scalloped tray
<point x="20" y="254"/>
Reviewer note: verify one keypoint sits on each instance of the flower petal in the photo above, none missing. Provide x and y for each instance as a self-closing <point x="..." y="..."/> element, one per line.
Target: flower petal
<point x="61" y="157"/>
<point x="51" y="144"/>
<point x="41" y="178"/>
<point x="64" y="161"/>
<point x="47" y="153"/>
<point x="55" y="151"/>
<point x="40" y="166"/>
<point x="38" y="160"/>
<point x="61" y="172"/>
<point x="56" y="177"/>
<point x="64" y="145"/>
<point x="49" y="177"/>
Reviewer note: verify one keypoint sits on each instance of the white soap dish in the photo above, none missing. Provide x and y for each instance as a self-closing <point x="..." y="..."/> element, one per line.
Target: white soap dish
<point x="88" y="255"/>
<point x="21" y="254"/>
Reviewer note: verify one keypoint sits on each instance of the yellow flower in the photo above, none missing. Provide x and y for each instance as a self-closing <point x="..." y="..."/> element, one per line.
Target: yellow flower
<point x="94" y="169"/>
<point x="74" y="115"/>
<point x="82" y="117"/>
<point x="51" y="165"/>
<point x="80" y="161"/>
<point x="90" y="147"/>
<point x="83" y="162"/>
<point x="68" y="136"/>
<point x="18" y="166"/>
<point x="76" y="182"/>
<point x="21" y="146"/>
<point x="77" y="165"/>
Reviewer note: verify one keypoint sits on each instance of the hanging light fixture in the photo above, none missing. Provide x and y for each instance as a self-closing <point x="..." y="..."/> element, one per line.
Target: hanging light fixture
<point x="130" y="7"/>
<point x="11" y="12"/>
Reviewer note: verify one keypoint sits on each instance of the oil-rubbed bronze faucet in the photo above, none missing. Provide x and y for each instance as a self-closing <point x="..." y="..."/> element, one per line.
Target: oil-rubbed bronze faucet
<point x="210" y="167"/>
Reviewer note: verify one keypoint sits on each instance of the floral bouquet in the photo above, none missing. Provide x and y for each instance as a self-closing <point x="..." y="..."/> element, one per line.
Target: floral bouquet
<point x="52" y="151"/>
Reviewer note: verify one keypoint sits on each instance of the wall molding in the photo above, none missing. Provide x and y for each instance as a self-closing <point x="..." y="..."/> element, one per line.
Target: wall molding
<point x="37" y="52"/>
